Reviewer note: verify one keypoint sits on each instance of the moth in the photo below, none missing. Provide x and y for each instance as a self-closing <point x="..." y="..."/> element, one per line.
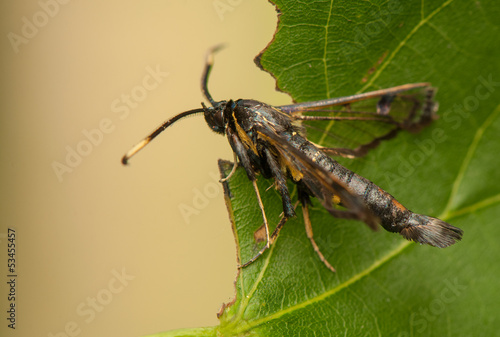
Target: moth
<point x="271" y="141"/>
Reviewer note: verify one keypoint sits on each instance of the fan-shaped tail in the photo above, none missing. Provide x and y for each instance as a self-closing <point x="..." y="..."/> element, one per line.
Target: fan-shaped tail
<point x="431" y="231"/>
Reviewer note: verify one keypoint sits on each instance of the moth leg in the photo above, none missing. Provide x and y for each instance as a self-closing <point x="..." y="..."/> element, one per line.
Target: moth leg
<point x="240" y="151"/>
<point x="280" y="181"/>
<point x="261" y="206"/>
<point x="271" y="240"/>
<point x="235" y="166"/>
<point x="288" y="209"/>
<point x="310" y="235"/>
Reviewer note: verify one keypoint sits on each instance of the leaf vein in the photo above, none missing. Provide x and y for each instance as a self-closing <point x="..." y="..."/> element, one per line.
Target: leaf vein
<point x="355" y="278"/>
<point x="402" y="44"/>
<point x="325" y="63"/>
<point x="468" y="158"/>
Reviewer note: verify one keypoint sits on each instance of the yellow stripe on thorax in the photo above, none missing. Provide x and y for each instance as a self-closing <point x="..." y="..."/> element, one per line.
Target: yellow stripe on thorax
<point x="244" y="137"/>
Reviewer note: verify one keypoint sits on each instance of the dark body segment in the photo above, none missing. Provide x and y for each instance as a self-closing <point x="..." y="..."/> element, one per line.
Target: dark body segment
<point x="393" y="216"/>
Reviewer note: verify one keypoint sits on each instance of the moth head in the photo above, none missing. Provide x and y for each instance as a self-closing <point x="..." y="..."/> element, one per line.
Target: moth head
<point x="217" y="116"/>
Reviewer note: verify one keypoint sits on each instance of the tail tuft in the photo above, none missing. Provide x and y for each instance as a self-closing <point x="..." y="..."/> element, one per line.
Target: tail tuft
<point x="431" y="231"/>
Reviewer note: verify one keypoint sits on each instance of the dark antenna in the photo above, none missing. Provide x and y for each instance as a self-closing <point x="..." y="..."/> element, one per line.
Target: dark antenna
<point x="209" y="62"/>
<point x="156" y="132"/>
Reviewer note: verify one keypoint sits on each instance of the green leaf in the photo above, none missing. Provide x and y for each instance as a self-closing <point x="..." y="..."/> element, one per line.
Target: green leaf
<point x="384" y="285"/>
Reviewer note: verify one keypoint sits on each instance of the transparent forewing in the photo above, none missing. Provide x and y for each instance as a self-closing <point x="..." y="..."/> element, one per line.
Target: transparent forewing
<point x="360" y="122"/>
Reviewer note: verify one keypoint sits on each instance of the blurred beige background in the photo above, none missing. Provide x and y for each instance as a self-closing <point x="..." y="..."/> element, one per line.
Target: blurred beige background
<point x="102" y="249"/>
